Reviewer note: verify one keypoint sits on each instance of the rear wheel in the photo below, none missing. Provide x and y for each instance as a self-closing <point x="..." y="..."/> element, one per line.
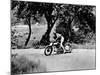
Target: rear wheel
<point x="68" y="48"/>
<point x="48" y="51"/>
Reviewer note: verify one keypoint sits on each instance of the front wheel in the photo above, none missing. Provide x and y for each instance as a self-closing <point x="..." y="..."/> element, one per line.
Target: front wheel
<point x="48" y="50"/>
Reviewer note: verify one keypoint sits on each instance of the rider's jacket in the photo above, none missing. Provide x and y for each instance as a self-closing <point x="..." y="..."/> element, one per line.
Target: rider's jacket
<point x="59" y="39"/>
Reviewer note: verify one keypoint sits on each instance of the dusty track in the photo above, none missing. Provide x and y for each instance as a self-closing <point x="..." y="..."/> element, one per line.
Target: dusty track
<point x="78" y="59"/>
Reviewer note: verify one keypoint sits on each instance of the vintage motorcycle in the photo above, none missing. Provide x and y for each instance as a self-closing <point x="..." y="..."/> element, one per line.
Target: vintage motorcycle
<point x="54" y="47"/>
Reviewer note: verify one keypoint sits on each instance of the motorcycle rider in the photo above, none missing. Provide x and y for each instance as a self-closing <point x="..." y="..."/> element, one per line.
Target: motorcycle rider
<point x="59" y="38"/>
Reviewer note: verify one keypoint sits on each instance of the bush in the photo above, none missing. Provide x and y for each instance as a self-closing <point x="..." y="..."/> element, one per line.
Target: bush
<point x="89" y="43"/>
<point x="14" y="40"/>
<point x="36" y="44"/>
<point x="22" y="65"/>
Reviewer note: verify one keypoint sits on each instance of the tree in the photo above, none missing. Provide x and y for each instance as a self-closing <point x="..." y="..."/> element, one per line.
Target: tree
<point x="30" y="9"/>
<point x="69" y="15"/>
<point x="79" y="13"/>
<point x="52" y="12"/>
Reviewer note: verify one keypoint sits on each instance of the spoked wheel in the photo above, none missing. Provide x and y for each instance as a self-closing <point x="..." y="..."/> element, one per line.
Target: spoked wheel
<point x="48" y="51"/>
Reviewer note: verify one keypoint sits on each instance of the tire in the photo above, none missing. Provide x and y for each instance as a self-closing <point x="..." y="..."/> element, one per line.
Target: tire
<point x="68" y="50"/>
<point x="48" y="50"/>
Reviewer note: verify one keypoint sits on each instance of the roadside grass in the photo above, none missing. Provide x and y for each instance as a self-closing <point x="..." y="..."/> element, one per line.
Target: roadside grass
<point x="22" y="65"/>
<point x="91" y="44"/>
<point x="36" y="44"/>
<point x="22" y="33"/>
<point x="85" y="46"/>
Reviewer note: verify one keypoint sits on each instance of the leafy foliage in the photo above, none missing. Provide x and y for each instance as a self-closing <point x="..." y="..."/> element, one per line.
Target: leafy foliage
<point x="78" y="16"/>
<point x="14" y="40"/>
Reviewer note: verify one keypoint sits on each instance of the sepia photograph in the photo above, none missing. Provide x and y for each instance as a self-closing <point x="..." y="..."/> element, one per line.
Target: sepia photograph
<point x="52" y="37"/>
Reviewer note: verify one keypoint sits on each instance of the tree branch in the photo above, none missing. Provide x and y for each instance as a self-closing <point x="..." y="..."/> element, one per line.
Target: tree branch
<point x="54" y="21"/>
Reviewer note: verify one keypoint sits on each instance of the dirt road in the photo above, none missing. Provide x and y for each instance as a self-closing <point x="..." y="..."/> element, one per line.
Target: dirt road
<point x="78" y="59"/>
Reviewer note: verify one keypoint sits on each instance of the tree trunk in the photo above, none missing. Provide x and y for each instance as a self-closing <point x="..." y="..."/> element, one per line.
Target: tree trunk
<point x="27" y="40"/>
<point x="46" y="37"/>
<point x="70" y="30"/>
